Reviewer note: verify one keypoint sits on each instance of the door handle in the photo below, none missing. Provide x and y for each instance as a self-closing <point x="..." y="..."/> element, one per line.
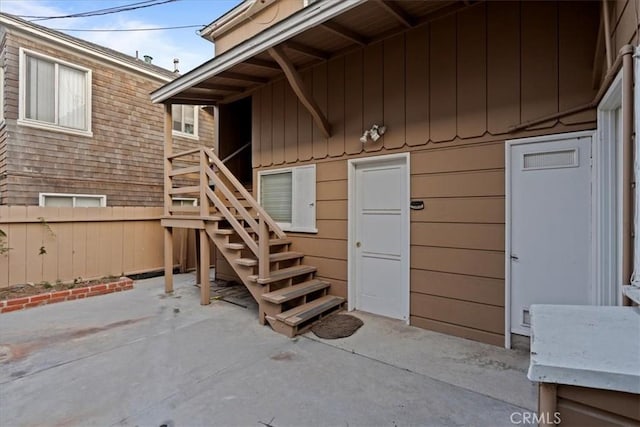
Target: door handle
<point x="515" y="258"/>
<point x="358" y="244"/>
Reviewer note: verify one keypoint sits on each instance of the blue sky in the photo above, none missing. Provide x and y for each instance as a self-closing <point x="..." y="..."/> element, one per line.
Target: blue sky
<point x="162" y="45"/>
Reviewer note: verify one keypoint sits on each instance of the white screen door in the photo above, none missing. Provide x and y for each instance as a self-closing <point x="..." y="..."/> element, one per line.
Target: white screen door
<point x="550" y="225"/>
<point x="380" y="226"/>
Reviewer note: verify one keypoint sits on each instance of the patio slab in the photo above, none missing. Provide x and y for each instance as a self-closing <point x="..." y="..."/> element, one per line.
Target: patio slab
<point x="143" y="358"/>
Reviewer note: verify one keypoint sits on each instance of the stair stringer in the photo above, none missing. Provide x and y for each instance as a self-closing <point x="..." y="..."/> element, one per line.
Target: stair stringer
<point x="231" y="255"/>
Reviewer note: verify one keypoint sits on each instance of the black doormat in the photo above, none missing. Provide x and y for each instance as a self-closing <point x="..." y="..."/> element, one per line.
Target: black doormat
<point x="337" y="326"/>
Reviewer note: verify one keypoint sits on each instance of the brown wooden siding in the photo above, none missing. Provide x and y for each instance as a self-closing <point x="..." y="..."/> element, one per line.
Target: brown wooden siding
<point x="123" y="158"/>
<point x="581" y="406"/>
<point x="448" y="93"/>
<point x="262" y="20"/>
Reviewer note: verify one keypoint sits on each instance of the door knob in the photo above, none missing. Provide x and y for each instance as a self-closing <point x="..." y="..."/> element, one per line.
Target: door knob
<point x="358" y="244"/>
<point x="515" y="258"/>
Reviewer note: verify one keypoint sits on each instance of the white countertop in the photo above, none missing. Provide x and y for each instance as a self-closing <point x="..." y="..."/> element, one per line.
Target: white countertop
<point x="632" y="292"/>
<point x="586" y="346"/>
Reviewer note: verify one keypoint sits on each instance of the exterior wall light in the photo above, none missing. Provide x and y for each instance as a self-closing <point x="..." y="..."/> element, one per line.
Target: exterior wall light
<point x="374" y="133"/>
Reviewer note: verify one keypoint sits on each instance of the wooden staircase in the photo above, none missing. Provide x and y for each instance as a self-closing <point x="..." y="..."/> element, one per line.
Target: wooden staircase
<point x="290" y="298"/>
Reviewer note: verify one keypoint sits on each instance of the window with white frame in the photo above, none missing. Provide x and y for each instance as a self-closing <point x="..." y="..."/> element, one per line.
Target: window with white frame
<point x="54" y="94"/>
<point x="185" y="120"/>
<point x="184" y="201"/>
<point x="289" y="197"/>
<point x="61" y="200"/>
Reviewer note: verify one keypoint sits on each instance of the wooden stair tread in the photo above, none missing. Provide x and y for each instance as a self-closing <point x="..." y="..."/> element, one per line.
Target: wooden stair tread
<point x="280" y="256"/>
<point x="295" y="291"/>
<point x="276" y="242"/>
<point x="285" y="273"/>
<point x="196" y="217"/>
<point x="304" y="312"/>
<point x="234" y="246"/>
<point x="224" y="232"/>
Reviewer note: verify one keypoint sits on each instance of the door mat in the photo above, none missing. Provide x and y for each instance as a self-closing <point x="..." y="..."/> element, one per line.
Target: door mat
<point x="337" y="326"/>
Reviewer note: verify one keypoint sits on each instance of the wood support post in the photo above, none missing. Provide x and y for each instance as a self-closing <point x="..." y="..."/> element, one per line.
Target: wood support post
<point x="168" y="151"/>
<point x="547" y="403"/>
<point x="205" y="287"/>
<point x="301" y="91"/>
<point x="168" y="259"/>
<point x="197" y="233"/>
<point x="263" y="249"/>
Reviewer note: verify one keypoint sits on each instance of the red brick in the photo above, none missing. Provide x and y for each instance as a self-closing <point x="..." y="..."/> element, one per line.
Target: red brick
<point x="80" y="291"/>
<point x="98" y="288"/>
<point x="82" y="296"/>
<point x="71" y="297"/>
<point x="94" y="293"/>
<point x="127" y="287"/>
<point x="112" y="286"/>
<point x="2" y="303"/>
<point x="42" y="297"/>
<point x="58" y="299"/>
<point x="60" y="294"/>
<point x="12" y="308"/>
<point x="17" y="301"/>
<point x="35" y="304"/>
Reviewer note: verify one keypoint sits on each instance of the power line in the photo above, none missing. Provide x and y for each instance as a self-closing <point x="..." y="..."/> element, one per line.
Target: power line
<point x="99" y="12"/>
<point x="131" y="29"/>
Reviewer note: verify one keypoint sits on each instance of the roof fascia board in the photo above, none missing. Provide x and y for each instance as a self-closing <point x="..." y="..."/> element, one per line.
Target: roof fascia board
<point x="307" y="18"/>
<point x="58" y="40"/>
<point x="232" y="19"/>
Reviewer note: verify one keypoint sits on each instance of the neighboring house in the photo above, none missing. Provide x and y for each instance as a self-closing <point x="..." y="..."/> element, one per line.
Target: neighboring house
<point x="76" y="124"/>
<point x="443" y="163"/>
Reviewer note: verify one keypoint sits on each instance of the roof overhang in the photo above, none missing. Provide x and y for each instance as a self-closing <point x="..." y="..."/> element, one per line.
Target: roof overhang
<point x="323" y="30"/>
<point x="308" y="17"/>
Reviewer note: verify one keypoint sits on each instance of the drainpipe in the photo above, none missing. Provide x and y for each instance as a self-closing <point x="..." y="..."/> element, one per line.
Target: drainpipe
<point x="613" y="71"/>
<point x="607" y="33"/>
<point x="628" y="166"/>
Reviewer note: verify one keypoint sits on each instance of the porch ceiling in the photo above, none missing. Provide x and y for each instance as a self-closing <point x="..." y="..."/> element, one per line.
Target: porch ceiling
<point x="319" y="32"/>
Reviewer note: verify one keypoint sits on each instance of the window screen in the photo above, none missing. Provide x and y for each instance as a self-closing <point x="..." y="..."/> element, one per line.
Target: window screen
<point x="276" y="191"/>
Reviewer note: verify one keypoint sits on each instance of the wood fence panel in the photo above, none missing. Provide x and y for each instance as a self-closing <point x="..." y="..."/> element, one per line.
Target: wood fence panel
<point x="51" y="244"/>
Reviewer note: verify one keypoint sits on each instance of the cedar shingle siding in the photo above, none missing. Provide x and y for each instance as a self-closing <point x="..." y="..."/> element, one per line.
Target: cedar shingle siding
<point x="123" y="158"/>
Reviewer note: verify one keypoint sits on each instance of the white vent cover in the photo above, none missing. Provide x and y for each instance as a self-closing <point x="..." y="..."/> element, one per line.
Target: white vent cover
<point x="551" y="159"/>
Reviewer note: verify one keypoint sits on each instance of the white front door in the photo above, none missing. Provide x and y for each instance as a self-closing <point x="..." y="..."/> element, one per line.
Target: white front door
<point x="380" y="240"/>
<point x="550" y="225"/>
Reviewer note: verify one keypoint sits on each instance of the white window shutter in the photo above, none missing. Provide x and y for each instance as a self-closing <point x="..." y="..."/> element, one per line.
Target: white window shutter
<point x="304" y="190"/>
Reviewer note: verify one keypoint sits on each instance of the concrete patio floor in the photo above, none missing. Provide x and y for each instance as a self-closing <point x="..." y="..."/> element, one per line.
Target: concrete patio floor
<point x="146" y="359"/>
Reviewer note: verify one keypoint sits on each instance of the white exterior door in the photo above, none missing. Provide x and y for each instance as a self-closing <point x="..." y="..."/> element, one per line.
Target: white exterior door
<point x="550" y="225"/>
<point x="380" y="225"/>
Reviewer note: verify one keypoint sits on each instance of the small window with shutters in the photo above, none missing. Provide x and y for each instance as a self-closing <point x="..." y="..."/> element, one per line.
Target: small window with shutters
<point x="289" y="197"/>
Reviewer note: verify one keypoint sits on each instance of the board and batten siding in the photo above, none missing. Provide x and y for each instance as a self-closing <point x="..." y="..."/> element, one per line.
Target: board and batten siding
<point x="123" y="158"/>
<point x="448" y="92"/>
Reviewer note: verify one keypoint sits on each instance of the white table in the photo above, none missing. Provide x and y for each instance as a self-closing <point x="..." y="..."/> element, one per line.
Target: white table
<point x="584" y="346"/>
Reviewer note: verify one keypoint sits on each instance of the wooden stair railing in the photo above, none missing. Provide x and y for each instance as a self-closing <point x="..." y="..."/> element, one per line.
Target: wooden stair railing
<point x="289" y="296"/>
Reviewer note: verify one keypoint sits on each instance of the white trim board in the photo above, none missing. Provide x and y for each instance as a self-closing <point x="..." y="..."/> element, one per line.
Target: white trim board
<point x="607" y="192"/>
<point x="351" y="230"/>
<point x="507" y="259"/>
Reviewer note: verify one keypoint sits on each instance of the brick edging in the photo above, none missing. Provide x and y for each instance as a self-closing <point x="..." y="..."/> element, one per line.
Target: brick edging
<point x="21" y="303"/>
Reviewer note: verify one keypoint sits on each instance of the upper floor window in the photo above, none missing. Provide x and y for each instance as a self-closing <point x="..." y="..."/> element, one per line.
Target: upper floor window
<point x="59" y="200"/>
<point x="54" y="94"/>
<point x="185" y="120"/>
